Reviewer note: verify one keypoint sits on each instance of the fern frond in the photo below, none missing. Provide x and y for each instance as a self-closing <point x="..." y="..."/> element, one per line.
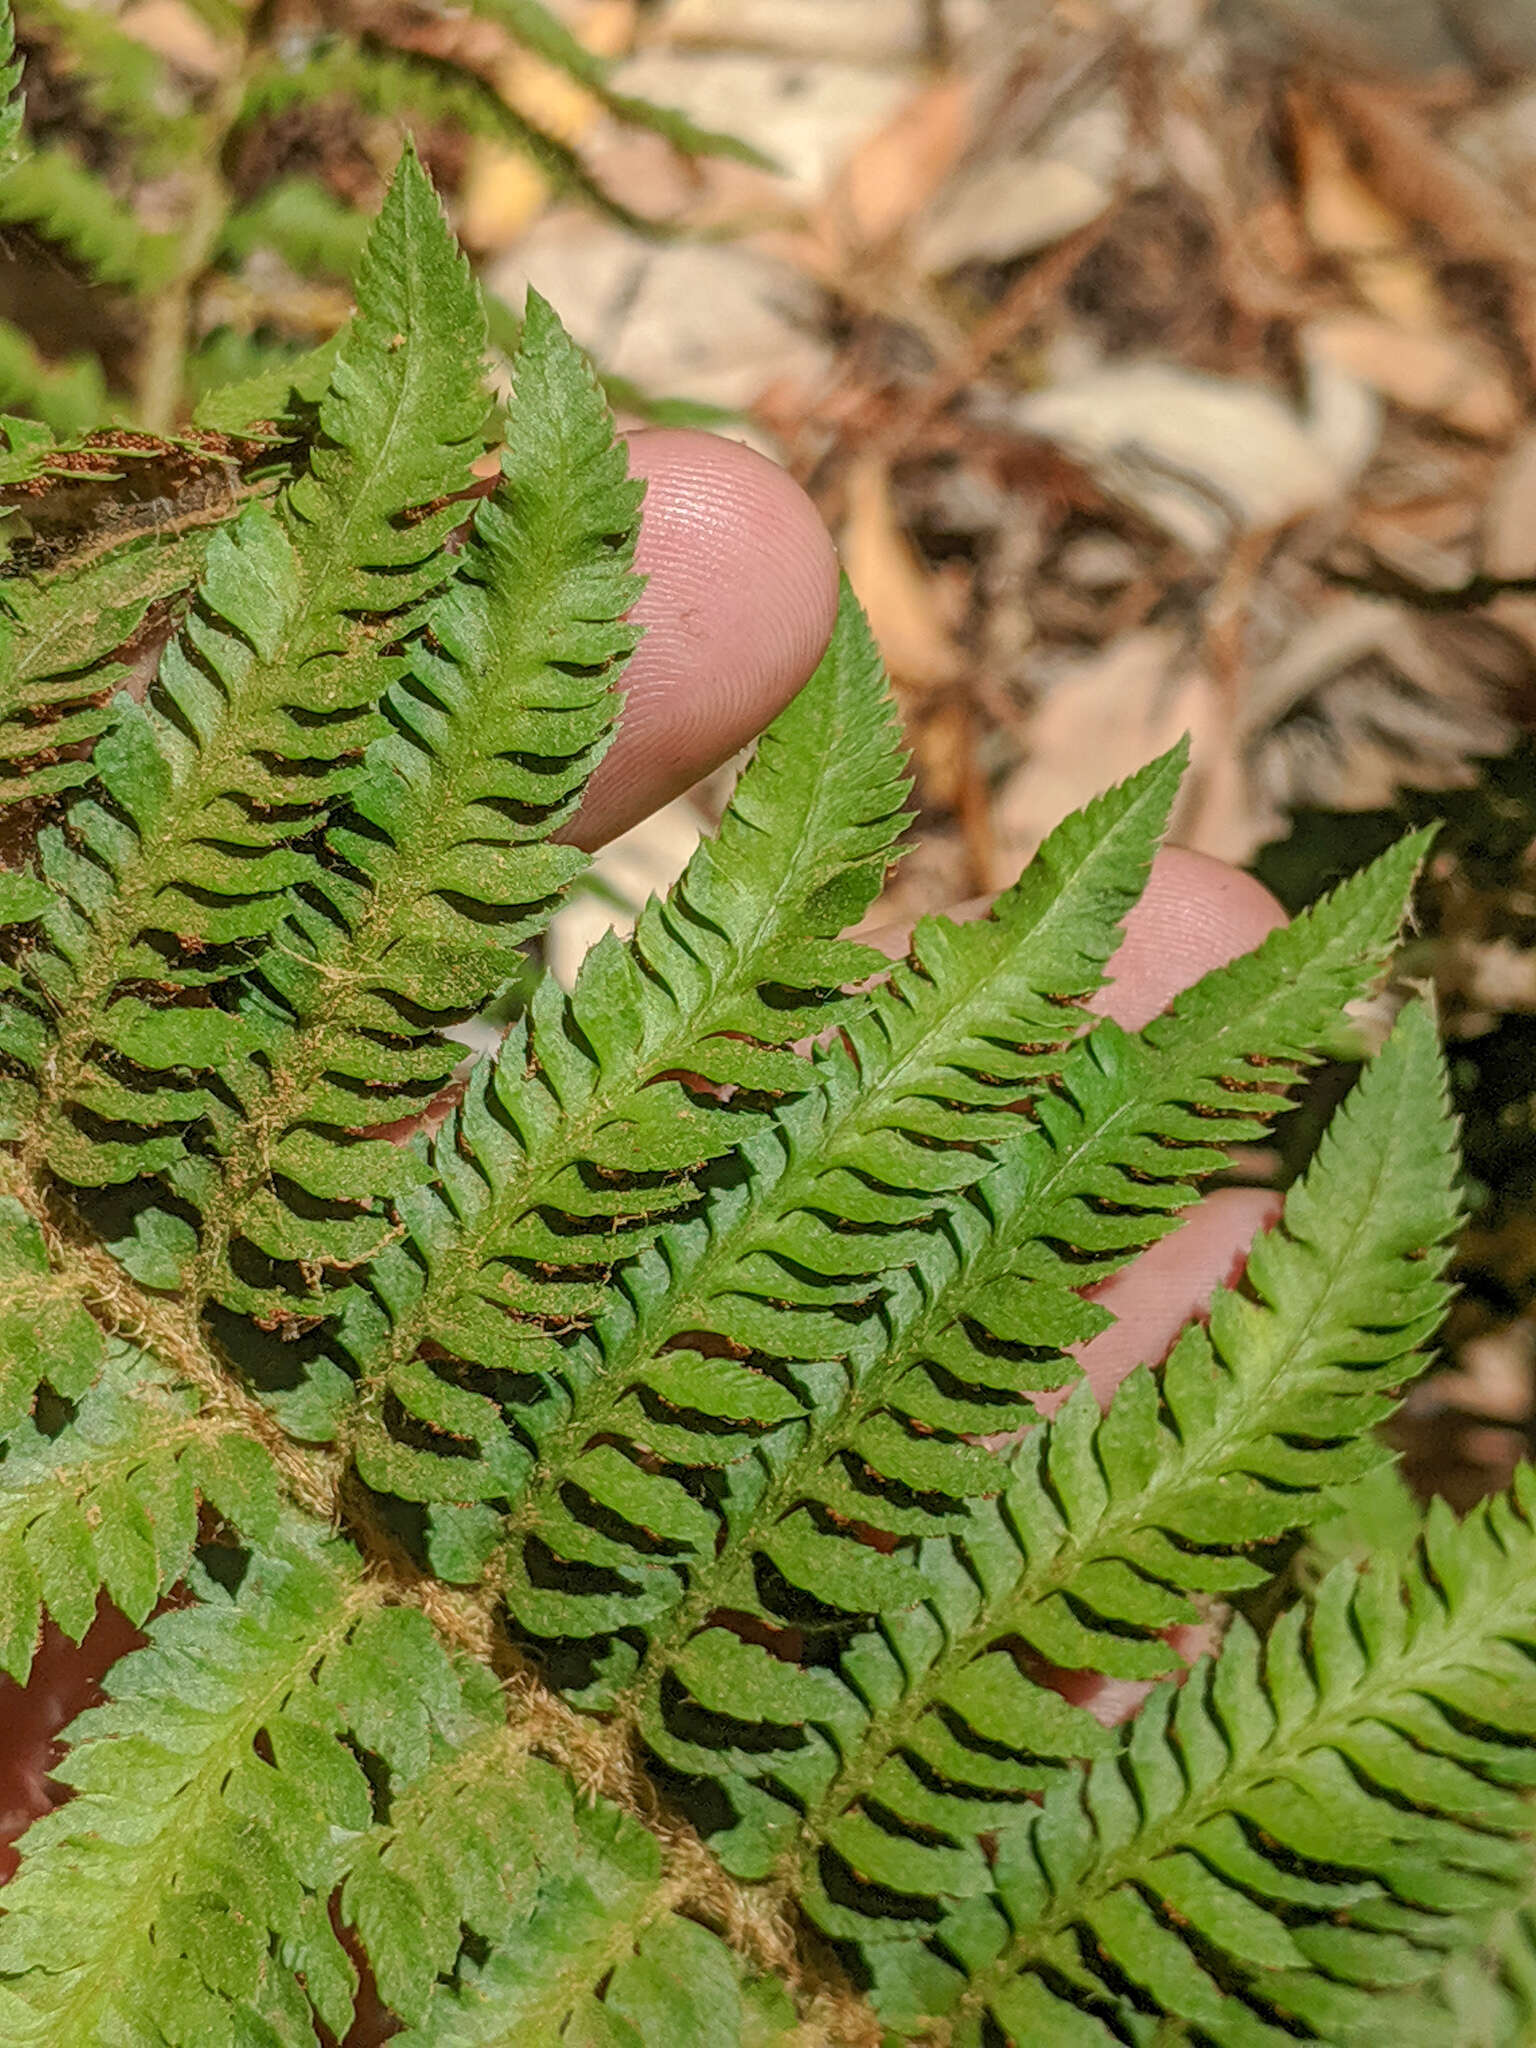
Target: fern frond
<point x="260" y="709"/>
<point x="1108" y="1525"/>
<point x="119" y="80"/>
<point x="539" y="31"/>
<point x="396" y="85"/>
<point x="220" y="1795"/>
<point x="760" y="1313"/>
<point x="108" y="1503"/>
<point x="1087" y="1555"/>
<point x="281" y="401"/>
<point x="47" y="1332"/>
<point x="674" y="1982"/>
<point x="442" y="863"/>
<point x="592" y="1120"/>
<point x="1485" y="1996"/>
<point x="575" y="1932"/>
<point x="51" y="191"/>
<point x="104" y="1456"/>
<point x="1299" y="1828"/>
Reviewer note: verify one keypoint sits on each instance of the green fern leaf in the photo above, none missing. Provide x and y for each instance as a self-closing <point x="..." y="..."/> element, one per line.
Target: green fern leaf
<point x="506" y="708"/>
<point x="260" y="709"/>
<point x="282" y="400"/>
<point x="1107" y="1522"/>
<point x="967" y="1028"/>
<point x="583" y="1113"/>
<point x="109" y="1503"/>
<point x="1298" y="1827"/>
<point x="581" y="1939"/>
<point x="46" y="1328"/>
<point x="218" y="1802"/>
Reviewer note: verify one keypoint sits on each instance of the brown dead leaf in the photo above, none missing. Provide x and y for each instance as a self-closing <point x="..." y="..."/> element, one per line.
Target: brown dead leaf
<point x="1430" y="183"/>
<point x="904" y="601"/>
<point x="1453" y="377"/>
<point x="1349" y="221"/>
<point x="892" y="176"/>
<point x="1365" y="698"/>
<point x="1110" y="716"/>
<point x="1009" y="209"/>
<point x="1509" y="518"/>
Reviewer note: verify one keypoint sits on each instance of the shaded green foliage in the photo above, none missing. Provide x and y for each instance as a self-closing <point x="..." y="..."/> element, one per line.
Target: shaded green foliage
<point x="130" y="127"/>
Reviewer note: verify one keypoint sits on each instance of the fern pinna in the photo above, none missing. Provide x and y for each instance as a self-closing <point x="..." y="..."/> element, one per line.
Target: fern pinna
<point x="600" y="1557"/>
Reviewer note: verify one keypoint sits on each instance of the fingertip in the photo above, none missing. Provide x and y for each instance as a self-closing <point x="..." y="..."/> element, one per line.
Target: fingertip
<point x="739" y="607"/>
<point x="1196" y="913"/>
<point x="1172" y="1282"/>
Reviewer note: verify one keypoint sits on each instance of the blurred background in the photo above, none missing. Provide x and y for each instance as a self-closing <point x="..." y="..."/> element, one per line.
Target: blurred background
<point x="1161" y="366"/>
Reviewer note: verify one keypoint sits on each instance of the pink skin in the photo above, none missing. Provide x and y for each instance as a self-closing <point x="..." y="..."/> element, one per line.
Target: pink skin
<point x="740" y="603"/>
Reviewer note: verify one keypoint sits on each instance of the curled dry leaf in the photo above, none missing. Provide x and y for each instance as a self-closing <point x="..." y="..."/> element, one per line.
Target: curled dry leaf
<point x="1207" y="457"/>
<point x="1454" y="377"/>
<point x="903" y="600"/>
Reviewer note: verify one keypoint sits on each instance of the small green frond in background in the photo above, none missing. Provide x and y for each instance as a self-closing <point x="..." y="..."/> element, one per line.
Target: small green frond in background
<point x="619" y="1535"/>
<point x="211" y="188"/>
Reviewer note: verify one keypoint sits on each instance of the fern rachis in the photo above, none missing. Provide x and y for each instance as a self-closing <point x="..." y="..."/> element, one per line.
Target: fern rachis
<point x="591" y="1591"/>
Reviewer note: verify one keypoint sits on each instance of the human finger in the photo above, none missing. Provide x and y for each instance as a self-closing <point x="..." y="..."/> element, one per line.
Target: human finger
<point x="738" y="609"/>
<point x="1196" y="913"/>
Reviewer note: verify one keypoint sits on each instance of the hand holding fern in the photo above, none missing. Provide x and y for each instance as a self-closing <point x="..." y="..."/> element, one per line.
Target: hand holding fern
<point x="639" y="1428"/>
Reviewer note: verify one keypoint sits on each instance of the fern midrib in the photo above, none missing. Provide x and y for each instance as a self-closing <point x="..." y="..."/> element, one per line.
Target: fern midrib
<point x="1331" y="1720"/>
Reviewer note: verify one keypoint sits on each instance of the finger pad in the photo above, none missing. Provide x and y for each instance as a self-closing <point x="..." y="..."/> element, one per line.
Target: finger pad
<point x="1196" y="913"/>
<point x="738" y="609"/>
